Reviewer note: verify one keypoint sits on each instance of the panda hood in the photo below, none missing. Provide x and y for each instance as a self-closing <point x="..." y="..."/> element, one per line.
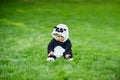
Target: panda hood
<point x="62" y="30"/>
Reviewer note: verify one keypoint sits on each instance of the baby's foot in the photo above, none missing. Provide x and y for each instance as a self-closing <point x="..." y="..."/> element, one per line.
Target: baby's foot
<point x="70" y="59"/>
<point x="50" y="59"/>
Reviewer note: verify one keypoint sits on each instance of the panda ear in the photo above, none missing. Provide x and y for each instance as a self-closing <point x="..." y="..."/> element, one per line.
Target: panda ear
<point x="55" y="27"/>
<point x="64" y="29"/>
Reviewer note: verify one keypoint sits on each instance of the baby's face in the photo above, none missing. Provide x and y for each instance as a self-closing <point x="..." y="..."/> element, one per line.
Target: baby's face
<point x="59" y="38"/>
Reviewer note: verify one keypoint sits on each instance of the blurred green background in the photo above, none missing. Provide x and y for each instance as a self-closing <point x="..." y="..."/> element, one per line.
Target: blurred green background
<point x="25" y="31"/>
<point x="61" y="0"/>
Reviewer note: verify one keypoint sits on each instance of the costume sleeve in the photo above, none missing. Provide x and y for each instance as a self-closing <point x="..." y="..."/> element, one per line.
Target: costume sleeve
<point x="68" y="47"/>
<point x="50" y="46"/>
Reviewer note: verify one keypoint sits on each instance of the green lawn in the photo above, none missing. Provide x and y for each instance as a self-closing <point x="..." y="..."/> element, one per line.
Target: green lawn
<point x="25" y="31"/>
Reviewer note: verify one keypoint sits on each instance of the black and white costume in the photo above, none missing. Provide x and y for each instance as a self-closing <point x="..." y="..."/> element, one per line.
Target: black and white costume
<point x="60" y="48"/>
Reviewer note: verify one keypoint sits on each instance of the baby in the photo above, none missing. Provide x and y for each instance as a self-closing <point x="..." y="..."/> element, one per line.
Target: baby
<point x="60" y="45"/>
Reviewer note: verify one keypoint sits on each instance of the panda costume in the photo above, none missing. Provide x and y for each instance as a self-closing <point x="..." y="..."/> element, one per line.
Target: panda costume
<point x="60" y="48"/>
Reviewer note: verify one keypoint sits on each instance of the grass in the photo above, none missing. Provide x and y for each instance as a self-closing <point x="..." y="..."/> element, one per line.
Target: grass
<point x="25" y="30"/>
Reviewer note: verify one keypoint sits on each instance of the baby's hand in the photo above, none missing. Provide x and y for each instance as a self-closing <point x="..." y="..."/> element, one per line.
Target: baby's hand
<point x="51" y="53"/>
<point x="67" y="56"/>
